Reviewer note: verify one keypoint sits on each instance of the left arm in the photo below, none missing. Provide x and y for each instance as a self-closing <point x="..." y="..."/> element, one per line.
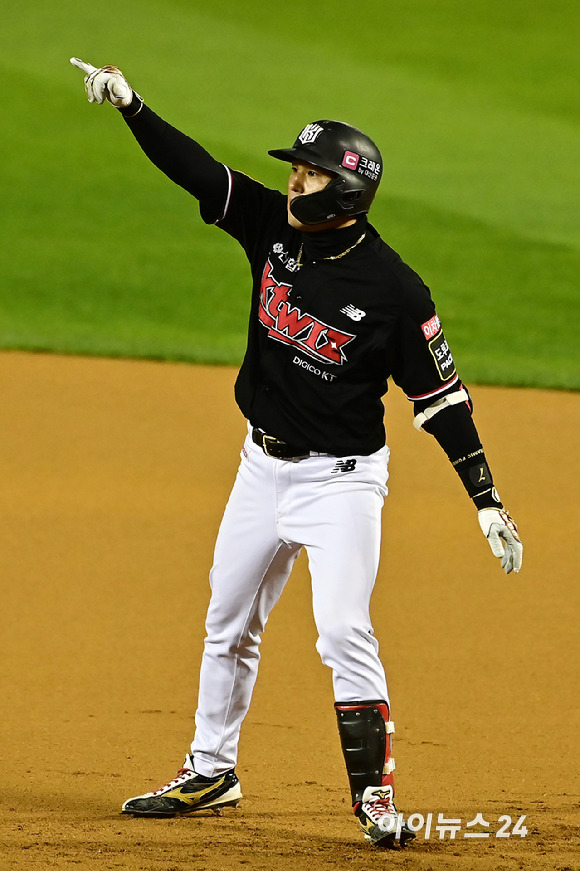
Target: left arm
<point x="425" y="370"/>
<point x="451" y="423"/>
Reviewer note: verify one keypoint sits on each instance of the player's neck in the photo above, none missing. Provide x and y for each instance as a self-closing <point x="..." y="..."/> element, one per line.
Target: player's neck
<point x="335" y="242"/>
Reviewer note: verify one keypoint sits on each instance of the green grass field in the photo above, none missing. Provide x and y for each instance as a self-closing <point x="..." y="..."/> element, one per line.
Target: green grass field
<point x="475" y="106"/>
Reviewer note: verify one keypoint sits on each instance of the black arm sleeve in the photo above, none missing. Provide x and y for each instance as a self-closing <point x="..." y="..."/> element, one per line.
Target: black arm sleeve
<point x="455" y="431"/>
<point x="182" y="159"/>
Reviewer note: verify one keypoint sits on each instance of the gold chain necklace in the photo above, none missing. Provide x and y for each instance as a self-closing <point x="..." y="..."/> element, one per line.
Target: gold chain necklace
<point x="332" y="257"/>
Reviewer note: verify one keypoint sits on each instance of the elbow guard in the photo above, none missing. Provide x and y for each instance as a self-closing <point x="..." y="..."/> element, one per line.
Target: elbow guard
<point x="451" y="399"/>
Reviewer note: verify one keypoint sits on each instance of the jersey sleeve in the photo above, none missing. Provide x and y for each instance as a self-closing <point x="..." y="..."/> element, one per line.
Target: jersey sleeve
<point x="250" y="211"/>
<point x="426" y="372"/>
<point x="180" y="158"/>
<point x="236" y="203"/>
<point x="422" y="363"/>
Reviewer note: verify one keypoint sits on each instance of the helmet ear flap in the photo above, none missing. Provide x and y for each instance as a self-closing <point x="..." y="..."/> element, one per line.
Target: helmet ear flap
<point x="315" y="208"/>
<point x="349" y="199"/>
<point x="321" y="206"/>
<point x="326" y="205"/>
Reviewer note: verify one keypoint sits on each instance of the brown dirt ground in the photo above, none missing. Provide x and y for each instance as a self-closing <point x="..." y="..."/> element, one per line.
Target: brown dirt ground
<point x="114" y="476"/>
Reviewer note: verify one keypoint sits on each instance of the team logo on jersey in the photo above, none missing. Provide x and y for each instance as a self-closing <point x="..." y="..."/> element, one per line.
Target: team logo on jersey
<point x="286" y="323"/>
<point x="310" y="133"/>
<point x="355" y="314"/>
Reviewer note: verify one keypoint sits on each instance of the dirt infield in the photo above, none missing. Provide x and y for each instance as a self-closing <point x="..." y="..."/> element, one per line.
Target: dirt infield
<point x="114" y="478"/>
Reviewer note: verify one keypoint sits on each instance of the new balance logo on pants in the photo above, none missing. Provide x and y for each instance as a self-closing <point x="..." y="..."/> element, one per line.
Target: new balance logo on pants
<point x="344" y="466"/>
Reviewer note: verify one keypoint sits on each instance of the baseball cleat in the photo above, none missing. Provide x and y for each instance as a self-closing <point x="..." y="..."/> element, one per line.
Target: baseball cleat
<point x="186" y="793"/>
<point x="379" y="820"/>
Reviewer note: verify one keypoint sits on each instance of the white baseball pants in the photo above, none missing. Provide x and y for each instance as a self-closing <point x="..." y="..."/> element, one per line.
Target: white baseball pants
<point x="277" y="507"/>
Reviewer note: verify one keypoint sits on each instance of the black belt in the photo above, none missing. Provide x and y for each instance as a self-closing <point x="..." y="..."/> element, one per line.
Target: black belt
<point x="280" y="450"/>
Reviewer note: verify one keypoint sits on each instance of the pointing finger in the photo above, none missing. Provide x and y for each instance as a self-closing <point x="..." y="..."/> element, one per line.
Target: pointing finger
<point x="86" y="68"/>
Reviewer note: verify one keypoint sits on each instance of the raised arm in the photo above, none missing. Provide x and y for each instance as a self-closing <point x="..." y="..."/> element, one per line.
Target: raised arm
<point x="179" y="157"/>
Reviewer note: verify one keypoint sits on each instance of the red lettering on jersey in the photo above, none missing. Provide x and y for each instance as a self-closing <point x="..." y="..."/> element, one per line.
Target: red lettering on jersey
<point x="286" y="323"/>
<point x="333" y="348"/>
<point x="317" y="336"/>
<point x="291" y="321"/>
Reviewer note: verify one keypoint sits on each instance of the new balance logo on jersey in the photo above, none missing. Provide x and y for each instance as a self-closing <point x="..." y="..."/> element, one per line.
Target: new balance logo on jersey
<point x="286" y="323"/>
<point x="344" y="466"/>
<point x="355" y="314"/>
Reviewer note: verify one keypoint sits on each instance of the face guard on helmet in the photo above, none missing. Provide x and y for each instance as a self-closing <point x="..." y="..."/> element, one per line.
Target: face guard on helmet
<point x="351" y="157"/>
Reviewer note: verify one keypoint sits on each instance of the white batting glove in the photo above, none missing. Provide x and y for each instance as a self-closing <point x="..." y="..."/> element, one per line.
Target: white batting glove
<point x="502" y="534"/>
<point x="105" y="83"/>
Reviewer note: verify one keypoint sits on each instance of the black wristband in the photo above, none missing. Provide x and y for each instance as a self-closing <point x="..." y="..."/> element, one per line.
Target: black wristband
<point x="477" y="480"/>
<point x="455" y="431"/>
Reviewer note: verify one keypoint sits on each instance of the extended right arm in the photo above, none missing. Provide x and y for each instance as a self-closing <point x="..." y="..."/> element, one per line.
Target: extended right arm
<point x="181" y="158"/>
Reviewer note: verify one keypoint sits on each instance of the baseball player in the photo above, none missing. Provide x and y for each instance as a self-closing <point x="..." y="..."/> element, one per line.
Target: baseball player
<point x="334" y="313"/>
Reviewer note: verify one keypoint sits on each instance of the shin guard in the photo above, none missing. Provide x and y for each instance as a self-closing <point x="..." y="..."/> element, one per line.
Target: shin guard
<point x="365" y="731"/>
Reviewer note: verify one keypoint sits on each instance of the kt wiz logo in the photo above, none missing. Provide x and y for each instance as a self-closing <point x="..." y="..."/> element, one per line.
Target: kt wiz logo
<point x="287" y="324"/>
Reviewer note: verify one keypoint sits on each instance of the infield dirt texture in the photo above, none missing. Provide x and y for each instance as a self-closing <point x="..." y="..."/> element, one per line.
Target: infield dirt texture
<point x="114" y="478"/>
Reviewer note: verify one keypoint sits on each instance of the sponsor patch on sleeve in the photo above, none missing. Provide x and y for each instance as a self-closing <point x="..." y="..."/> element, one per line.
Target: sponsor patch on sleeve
<point x="439" y="348"/>
<point x="431" y="328"/>
<point x="442" y="356"/>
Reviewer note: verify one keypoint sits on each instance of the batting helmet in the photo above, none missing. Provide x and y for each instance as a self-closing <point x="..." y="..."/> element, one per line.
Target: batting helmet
<point x="350" y="156"/>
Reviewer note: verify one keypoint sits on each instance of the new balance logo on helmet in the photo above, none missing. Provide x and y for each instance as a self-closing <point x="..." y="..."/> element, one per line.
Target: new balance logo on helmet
<point x="310" y="133"/>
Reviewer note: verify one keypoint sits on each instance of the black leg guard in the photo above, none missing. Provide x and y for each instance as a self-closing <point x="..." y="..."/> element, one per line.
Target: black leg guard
<point x="365" y="733"/>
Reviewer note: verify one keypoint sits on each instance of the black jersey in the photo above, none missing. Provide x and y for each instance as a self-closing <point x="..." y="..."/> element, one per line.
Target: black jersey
<point x="333" y="315"/>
